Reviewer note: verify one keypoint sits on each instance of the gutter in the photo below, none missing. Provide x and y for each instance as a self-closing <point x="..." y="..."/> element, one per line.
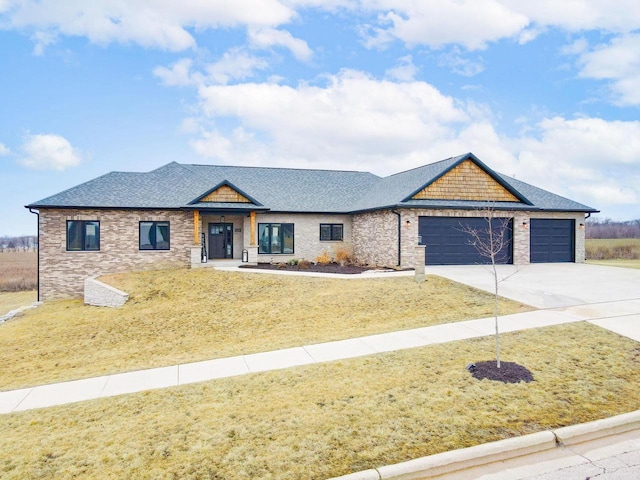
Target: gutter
<point x="399" y="236"/>
<point x="38" y="247"/>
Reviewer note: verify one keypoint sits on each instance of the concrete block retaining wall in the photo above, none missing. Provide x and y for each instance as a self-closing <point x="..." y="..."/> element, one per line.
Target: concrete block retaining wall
<point x="100" y="294"/>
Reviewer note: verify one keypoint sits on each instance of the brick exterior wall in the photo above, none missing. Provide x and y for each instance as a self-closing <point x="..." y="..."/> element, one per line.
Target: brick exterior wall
<point x="62" y="273"/>
<point x="371" y="236"/>
<point x="376" y="240"/>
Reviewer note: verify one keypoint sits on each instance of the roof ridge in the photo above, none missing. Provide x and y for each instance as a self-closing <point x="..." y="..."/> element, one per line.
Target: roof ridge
<point x="455" y="157"/>
<point x="186" y="165"/>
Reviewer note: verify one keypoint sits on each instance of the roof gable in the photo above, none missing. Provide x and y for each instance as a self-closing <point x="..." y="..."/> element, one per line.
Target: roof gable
<point x="465" y="181"/>
<point x="225" y="192"/>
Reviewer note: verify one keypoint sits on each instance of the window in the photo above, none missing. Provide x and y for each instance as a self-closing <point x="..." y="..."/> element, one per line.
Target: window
<point x="331" y="232"/>
<point x="83" y="235"/>
<point x="275" y="237"/>
<point x="154" y="235"/>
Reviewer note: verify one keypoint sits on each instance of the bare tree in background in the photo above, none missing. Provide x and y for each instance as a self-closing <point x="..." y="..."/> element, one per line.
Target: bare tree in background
<point x="492" y="242"/>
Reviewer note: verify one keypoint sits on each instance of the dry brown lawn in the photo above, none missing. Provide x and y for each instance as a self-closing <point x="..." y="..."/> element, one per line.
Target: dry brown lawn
<point x="325" y="420"/>
<point x="12" y="300"/>
<point x="181" y="316"/>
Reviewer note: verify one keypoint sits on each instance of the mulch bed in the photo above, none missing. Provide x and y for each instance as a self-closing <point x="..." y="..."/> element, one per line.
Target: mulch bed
<point x="508" y="372"/>
<point x="328" y="268"/>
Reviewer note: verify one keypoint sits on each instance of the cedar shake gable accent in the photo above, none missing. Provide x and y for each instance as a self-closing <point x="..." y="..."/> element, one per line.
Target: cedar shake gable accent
<point x="225" y="192"/>
<point x="468" y="180"/>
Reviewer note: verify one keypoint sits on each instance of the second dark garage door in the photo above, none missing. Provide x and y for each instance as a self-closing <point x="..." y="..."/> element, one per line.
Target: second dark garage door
<point x="448" y="244"/>
<point x="552" y="240"/>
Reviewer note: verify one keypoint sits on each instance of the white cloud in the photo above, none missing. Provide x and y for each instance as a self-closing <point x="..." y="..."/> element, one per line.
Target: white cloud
<point x="619" y="62"/>
<point x="236" y="64"/>
<point x="354" y="119"/>
<point x="578" y="15"/>
<point x="404" y="71"/>
<point x="590" y="159"/>
<point x="49" y="152"/>
<point x="42" y="40"/>
<point x="470" y="23"/>
<point x="179" y="74"/>
<point x="4" y="150"/>
<point x="461" y="65"/>
<point x="265" y="37"/>
<point x="148" y="23"/>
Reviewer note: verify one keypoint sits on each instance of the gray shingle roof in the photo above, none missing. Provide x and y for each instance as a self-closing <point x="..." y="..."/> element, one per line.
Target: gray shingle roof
<point x="175" y="186"/>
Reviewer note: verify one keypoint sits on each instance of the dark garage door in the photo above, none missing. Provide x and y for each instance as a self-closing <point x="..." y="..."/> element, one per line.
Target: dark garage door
<point x="448" y="244"/>
<point x="552" y="240"/>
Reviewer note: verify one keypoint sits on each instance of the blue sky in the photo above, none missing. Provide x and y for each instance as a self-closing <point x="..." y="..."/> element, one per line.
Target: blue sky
<point x="545" y="91"/>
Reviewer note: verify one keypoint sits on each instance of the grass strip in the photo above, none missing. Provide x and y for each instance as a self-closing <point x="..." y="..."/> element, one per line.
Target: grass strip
<point x="320" y="421"/>
<point x="181" y="316"/>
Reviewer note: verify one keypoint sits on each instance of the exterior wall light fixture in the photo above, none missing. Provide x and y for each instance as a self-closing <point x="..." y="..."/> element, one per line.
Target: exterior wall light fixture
<point x="408" y="223"/>
<point x="582" y="226"/>
<point x="525" y="224"/>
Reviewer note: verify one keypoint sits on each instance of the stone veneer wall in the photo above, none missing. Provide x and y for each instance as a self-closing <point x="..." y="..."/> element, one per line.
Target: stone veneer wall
<point x="375" y="234"/>
<point x="375" y="238"/>
<point x="62" y="273"/>
<point x="306" y="235"/>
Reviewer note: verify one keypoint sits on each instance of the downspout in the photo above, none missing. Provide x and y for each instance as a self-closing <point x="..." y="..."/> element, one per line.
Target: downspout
<point x="399" y="236"/>
<point x="38" y="247"/>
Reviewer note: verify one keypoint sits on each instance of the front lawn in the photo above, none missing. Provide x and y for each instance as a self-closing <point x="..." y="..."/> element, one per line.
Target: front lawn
<point x="325" y="420"/>
<point x="180" y="316"/>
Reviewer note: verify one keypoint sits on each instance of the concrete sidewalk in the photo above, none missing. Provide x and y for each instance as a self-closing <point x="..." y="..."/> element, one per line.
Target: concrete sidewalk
<point x="622" y="317"/>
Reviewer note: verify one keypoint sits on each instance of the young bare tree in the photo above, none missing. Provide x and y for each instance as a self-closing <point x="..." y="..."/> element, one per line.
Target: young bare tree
<point x="492" y="242"/>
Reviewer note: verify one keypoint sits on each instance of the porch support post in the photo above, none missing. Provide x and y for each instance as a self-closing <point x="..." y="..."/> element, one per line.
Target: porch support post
<point x="196" y="227"/>
<point x="252" y="241"/>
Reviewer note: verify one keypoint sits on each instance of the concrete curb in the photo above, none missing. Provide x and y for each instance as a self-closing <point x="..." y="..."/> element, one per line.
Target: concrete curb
<point x="586" y="432"/>
<point x="466" y="458"/>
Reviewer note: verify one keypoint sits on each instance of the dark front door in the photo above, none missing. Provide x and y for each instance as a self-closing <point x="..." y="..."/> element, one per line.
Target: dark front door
<point x="220" y="240"/>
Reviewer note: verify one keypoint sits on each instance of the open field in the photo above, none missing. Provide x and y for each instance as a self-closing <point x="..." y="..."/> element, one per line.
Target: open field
<point x="180" y="316"/>
<point x="613" y="249"/>
<point x="325" y="420"/>
<point x="18" y="271"/>
<point x="614" y="252"/>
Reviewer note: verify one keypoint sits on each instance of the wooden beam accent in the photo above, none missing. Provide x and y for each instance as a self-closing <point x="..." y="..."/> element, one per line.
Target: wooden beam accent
<point x="196" y="227"/>
<point x="253" y="229"/>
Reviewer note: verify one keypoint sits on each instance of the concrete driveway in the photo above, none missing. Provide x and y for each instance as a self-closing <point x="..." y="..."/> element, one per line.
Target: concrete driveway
<point x="551" y="285"/>
<point x="605" y="296"/>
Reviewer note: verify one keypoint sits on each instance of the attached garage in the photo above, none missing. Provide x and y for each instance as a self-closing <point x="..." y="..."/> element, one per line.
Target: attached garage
<point x="552" y="240"/>
<point x="449" y="243"/>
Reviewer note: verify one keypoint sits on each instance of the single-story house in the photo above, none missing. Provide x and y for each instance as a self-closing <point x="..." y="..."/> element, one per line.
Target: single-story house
<point x="180" y="213"/>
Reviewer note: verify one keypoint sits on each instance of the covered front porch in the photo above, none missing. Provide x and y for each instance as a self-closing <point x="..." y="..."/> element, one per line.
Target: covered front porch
<point x="224" y="236"/>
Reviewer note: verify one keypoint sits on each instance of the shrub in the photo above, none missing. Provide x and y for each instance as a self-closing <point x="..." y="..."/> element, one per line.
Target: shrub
<point x="324" y="259"/>
<point x="343" y="255"/>
<point x="293" y="262"/>
<point x="304" y="264"/>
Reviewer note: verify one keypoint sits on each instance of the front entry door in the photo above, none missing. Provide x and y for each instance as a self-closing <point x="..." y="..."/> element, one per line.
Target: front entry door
<point x="220" y="240"/>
